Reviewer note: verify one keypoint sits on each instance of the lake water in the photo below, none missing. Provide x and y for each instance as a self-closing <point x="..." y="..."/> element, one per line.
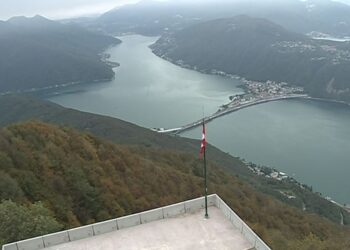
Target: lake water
<point x="150" y="91"/>
<point x="306" y="139"/>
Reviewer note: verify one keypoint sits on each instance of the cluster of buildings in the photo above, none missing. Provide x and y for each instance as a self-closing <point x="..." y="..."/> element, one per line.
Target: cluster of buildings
<point x="292" y="46"/>
<point x="322" y="52"/>
<point x="338" y="55"/>
<point x="258" y="91"/>
<point x="268" y="172"/>
<point x="272" y="88"/>
<point x="280" y="176"/>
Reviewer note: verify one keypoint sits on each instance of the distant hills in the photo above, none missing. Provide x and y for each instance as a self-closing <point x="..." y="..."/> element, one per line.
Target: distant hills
<point x="155" y="17"/>
<point x="258" y="49"/>
<point x="37" y="53"/>
<point x="54" y="178"/>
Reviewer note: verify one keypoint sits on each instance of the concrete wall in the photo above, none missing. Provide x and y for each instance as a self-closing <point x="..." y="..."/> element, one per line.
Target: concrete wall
<point x="212" y="200"/>
<point x="174" y="210"/>
<point x="105" y="227"/>
<point x="152" y="215"/>
<point x="56" y="238"/>
<point x="246" y="231"/>
<point x="31" y="244"/>
<point x="129" y="221"/>
<point x="81" y="233"/>
<point x="194" y="205"/>
<point x="12" y="246"/>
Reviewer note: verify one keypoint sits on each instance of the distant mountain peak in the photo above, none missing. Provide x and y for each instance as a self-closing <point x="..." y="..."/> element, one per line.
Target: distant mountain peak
<point x="17" y="19"/>
<point x="41" y="18"/>
<point x="244" y="25"/>
<point x="31" y="21"/>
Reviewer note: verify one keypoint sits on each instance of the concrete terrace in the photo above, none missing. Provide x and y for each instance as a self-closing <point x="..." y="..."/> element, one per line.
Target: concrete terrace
<point x="178" y="226"/>
<point x="188" y="231"/>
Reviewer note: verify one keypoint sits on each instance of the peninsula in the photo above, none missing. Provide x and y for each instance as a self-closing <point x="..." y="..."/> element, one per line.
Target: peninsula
<point x="255" y="93"/>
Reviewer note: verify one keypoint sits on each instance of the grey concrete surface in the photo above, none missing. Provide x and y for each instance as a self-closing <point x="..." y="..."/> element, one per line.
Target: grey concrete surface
<point x="178" y="211"/>
<point x="187" y="231"/>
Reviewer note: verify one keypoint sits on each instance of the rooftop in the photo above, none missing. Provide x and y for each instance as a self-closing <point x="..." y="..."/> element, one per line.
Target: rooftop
<point x="187" y="231"/>
<point x="178" y="226"/>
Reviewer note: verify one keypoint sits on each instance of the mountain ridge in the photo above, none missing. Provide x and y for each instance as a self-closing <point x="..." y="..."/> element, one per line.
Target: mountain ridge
<point x="154" y="18"/>
<point x="260" y="50"/>
<point x="38" y="53"/>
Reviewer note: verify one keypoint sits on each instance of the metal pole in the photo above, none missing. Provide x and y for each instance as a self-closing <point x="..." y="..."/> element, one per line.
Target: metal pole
<point x="205" y="185"/>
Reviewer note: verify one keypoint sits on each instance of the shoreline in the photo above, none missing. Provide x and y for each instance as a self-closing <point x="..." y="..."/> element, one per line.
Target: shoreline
<point x="244" y="80"/>
<point x="103" y="57"/>
<point x="175" y="132"/>
<point x="52" y="87"/>
<point x="237" y="77"/>
<point x="327" y="100"/>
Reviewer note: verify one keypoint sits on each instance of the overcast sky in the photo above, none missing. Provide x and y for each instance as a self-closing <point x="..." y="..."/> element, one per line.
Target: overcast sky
<point x="58" y="9"/>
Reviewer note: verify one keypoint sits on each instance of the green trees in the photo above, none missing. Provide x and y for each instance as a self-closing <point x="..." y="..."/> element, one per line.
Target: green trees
<point x="21" y="222"/>
<point x="9" y="188"/>
<point x="81" y="179"/>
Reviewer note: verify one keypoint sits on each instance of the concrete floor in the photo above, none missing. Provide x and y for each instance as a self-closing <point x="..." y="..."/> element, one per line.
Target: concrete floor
<point x="189" y="231"/>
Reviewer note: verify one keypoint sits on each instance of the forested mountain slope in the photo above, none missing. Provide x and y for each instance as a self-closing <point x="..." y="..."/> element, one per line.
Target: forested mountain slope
<point x="260" y="50"/>
<point x="15" y="109"/>
<point x="38" y="53"/>
<point x="80" y="179"/>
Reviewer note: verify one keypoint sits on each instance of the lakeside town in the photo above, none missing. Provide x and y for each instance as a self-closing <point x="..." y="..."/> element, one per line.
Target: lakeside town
<point x="271" y="173"/>
<point x="263" y="91"/>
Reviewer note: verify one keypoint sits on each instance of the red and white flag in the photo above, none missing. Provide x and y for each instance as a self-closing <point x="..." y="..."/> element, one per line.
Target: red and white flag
<point x="204" y="142"/>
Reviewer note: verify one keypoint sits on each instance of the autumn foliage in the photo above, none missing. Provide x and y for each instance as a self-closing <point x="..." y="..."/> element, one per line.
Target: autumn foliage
<point x="77" y="179"/>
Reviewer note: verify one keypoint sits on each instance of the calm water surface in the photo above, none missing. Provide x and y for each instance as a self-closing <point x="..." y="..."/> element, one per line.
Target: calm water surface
<point x="306" y="139"/>
<point x="150" y="91"/>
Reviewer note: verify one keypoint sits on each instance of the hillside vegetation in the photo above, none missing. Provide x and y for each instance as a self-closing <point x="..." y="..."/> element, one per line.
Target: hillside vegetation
<point x="38" y="53"/>
<point x="260" y="50"/>
<point x="15" y="109"/>
<point x="63" y="179"/>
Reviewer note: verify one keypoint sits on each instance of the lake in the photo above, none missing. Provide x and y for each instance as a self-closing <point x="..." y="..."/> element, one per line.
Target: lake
<point x="148" y="90"/>
<point x="309" y="140"/>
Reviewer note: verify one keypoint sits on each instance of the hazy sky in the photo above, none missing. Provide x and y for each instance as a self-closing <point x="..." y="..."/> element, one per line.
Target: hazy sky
<point x="57" y="9"/>
<point x="344" y="1"/>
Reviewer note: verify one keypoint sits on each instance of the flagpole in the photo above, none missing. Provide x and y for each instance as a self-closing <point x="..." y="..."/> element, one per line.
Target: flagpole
<point x="206" y="188"/>
<point x="205" y="180"/>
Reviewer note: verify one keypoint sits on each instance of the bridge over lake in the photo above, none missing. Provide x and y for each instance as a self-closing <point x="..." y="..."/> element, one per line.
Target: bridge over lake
<point x="227" y="110"/>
